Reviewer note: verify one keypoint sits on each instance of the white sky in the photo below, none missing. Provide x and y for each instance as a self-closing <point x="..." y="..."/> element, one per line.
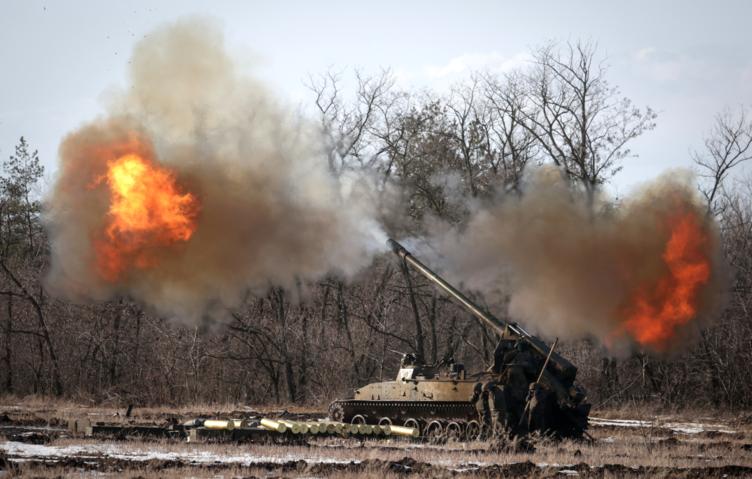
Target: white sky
<point x="686" y="59"/>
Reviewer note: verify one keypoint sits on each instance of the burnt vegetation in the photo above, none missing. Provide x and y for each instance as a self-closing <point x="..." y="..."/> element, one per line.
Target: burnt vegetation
<point x="321" y="340"/>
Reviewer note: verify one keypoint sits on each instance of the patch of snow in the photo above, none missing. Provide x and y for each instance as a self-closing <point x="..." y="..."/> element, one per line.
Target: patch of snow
<point x="596" y="421"/>
<point x="569" y="472"/>
<point x="682" y="427"/>
<point x="466" y="468"/>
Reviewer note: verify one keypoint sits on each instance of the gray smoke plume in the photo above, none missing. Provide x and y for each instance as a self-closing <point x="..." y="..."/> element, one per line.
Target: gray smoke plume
<point x="269" y="213"/>
<point x="571" y="266"/>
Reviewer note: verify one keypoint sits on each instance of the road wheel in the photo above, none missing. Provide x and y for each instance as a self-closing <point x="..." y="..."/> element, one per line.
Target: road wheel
<point x="472" y="431"/>
<point x="385" y="421"/>
<point x="453" y="431"/>
<point x="336" y="412"/>
<point x="434" y="432"/>
<point x="412" y="423"/>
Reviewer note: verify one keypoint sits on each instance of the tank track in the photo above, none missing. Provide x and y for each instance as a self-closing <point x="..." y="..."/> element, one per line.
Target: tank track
<point x="400" y="411"/>
<point x="437" y="420"/>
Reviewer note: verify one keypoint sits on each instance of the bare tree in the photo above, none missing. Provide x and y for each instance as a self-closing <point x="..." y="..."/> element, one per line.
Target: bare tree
<point x="347" y="124"/>
<point x="577" y="118"/>
<point x="468" y="133"/>
<point x="22" y="259"/>
<point x="511" y="145"/>
<point x="440" y="150"/>
<point x="728" y="145"/>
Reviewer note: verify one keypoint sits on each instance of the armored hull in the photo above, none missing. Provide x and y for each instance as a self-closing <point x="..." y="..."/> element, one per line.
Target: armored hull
<point x="436" y="403"/>
<point x="403" y="399"/>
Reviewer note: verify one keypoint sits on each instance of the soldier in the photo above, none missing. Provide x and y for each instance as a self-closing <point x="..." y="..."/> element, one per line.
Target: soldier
<point x="497" y="405"/>
<point x="535" y="416"/>
<point x="479" y="398"/>
<point x="408" y="359"/>
<point x="519" y="371"/>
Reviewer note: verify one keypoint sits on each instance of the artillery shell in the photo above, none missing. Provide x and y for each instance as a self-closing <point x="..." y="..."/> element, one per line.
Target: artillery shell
<point x="403" y="431"/>
<point x="219" y="424"/>
<point x="293" y="426"/>
<point x="273" y="425"/>
<point x="338" y="428"/>
<point x="326" y="427"/>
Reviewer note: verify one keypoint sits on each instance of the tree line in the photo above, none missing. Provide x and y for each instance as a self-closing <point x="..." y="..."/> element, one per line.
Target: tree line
<point x="440" y="150"/>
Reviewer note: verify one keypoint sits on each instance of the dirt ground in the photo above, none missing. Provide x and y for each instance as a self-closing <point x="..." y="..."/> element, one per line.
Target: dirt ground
<point x="35" y="442"/>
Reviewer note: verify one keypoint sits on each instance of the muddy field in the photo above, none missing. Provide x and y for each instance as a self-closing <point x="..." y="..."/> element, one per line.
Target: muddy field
<point x="35" y="442"/>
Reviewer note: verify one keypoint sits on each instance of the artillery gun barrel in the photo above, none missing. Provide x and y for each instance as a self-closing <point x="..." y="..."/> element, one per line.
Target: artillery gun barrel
<point x="562" y="365"/>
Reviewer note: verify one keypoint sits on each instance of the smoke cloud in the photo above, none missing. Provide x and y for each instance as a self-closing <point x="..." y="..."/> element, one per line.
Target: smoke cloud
<point x="246" y="201"/>
<point x="574" y="266"/>
<point x="269" y="212"/>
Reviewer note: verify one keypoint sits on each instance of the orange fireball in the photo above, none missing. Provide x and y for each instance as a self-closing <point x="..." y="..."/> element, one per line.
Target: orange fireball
<point x="147" y="212"/>
<point x="656" y="312"/>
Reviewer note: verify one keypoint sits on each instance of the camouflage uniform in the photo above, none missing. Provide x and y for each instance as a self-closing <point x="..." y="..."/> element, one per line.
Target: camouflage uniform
<point x="497" y="404"/>
<point x="480" y="399"/>
<point x="537" y="408"/>
<point x="518" y="374"/>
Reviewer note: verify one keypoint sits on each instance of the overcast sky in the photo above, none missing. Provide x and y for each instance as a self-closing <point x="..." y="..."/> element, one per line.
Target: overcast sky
<point x="686" y="59"/>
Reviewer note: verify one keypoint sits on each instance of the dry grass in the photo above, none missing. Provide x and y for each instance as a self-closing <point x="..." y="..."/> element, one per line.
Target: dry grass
<point x="194" y="473"/>
<point x="54" y="410"/>
<point x="639" y="447"/>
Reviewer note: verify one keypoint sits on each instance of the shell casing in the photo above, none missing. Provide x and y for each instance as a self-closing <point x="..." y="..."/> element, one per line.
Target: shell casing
<point x="403" y="431"/>
<point x="329" y="428"/>
<point x="273" y="425"/>
<point x="293" y="426"/>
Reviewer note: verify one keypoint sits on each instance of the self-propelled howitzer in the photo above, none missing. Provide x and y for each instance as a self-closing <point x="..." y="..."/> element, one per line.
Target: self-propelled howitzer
<point x="439" y="401"/>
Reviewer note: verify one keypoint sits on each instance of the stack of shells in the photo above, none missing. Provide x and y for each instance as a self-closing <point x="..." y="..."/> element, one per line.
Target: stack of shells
<point x="336" y="428"/>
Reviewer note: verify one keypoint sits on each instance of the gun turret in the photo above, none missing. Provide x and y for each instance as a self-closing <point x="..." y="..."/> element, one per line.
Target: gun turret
<point x="564" y="369"/>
